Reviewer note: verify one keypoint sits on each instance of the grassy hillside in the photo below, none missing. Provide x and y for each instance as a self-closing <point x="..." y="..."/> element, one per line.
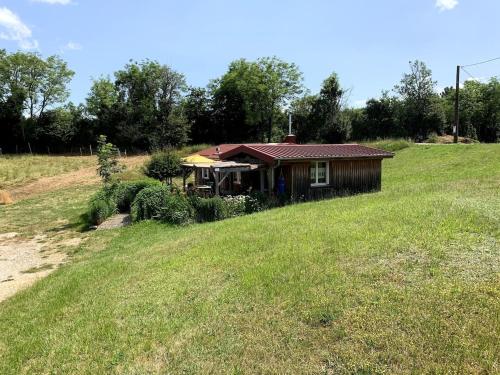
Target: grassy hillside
<point x="406" y="280"/>
<point x="17" y="170"/>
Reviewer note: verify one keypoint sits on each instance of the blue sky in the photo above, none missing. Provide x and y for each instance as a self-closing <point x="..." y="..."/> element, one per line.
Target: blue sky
<point x="368" y="43"/>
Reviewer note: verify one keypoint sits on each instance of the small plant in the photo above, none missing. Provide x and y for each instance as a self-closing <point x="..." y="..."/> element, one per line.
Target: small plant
<point x="107" y="159"/>
<point x="163" y="166"/>
<point x="101" y="206"/>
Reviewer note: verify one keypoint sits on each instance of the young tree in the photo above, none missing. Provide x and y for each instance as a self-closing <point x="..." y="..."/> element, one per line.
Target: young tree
<point x="107" y="159"/>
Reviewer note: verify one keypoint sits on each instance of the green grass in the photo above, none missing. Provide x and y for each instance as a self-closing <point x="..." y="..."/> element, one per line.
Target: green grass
<point x="401" y="281"/>
<point x="390" y="144"/>
<point x="53" y="212"/>
<point x="18" y="170"/>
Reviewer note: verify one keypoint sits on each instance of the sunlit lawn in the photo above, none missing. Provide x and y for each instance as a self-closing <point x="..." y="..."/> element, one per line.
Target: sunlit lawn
<point x="401" y="281"/>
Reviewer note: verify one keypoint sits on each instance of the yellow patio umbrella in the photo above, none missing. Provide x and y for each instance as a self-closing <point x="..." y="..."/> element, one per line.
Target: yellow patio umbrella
<point x="197" y="159"/>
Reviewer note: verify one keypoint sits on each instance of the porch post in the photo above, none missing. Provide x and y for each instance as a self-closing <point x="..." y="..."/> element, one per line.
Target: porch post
<point x="270" y="179"/>
<point x="216" y="175"/>
<point x="262" y="180"/>
<point x="183" y="179"/>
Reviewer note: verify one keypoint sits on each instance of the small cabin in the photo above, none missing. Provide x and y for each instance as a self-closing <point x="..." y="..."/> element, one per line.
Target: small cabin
<point x="301" y="171"/>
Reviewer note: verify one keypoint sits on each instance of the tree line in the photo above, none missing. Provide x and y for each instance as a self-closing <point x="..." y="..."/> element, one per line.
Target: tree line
<point x="148" y="106"/>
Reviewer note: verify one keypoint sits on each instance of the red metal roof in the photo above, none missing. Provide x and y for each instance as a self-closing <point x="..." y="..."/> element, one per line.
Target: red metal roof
<point x="286" y="151"/>
<point x="212" y="151"/>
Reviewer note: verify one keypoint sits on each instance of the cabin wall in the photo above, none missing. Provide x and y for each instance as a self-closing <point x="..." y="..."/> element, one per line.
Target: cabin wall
<point x="345" y="177"/>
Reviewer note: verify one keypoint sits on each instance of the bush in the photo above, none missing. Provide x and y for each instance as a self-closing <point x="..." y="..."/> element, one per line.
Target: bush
<point x="101" y="206"/>
<point x="257" y="201"/>
<point x="125" y="192"/>
<point x="161" y="202"/>
<point x="235" y="205"/>
<point x="148" y="202"/>
<point x="163" y="166"/>
<point x="433" y="138"/>
<point x="209" y="209"/>
<point x="176" y="209"/>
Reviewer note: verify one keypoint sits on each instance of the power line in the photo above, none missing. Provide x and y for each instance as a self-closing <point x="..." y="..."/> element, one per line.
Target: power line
<point x="481" y="62"/>
<point x="470" y="75"/>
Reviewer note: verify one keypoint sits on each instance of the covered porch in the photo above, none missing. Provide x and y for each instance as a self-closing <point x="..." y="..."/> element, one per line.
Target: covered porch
<point x="211" y="177"/>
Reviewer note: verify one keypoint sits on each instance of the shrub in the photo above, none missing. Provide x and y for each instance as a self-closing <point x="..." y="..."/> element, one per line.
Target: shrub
<point x="257" y="201"/>
<point x="101" y="206"/>
<point x="209" y="209"/>
<point x="433" y="138"/>
<point x="235" y="205"/>
<point x="148" y="202"/>
<point x="163" y="166"/>
<point x="125" y="192"/>
<point x="176" y="209"/>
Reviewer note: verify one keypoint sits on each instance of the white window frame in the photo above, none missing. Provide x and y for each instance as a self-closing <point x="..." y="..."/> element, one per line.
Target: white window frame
<point x="314" y="164"/>
<point x="205" y="173"/>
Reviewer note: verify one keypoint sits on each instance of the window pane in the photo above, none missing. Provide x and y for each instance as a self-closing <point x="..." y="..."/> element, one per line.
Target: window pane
<point x="312" y="173"/>
<point x="321" y="173"/>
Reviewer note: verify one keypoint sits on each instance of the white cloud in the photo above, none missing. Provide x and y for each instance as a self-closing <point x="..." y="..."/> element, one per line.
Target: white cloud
<point x="443" y="5"/>
<point x="12" y="28"/>
<point x="60" y="2"/>
<point x="72" y="46"/>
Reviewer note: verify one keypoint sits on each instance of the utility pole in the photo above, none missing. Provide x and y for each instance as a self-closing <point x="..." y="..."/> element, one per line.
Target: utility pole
<point x="457" y="88"/>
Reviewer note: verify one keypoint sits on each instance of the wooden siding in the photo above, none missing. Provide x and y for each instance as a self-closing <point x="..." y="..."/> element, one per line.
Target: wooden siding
<point x="345" y="177"/>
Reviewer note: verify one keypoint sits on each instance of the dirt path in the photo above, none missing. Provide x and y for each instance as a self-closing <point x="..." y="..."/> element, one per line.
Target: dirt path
<point x="26" y="260"/>
<point x="22" y="262"/>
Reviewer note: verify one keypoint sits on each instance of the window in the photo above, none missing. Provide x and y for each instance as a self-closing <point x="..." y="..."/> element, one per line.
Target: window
<point x="318" y="173"/>
<point x="205" y="173"/>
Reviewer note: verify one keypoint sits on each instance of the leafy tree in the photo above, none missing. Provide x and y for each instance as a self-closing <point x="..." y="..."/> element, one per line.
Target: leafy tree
<point x="417" y="91"/>
<point x="199" y="116"/>
<point x="107" y="159"/>
<point x="382" y="119"/>
<point x="305" y="124"/>
<point x="163" y="166"/>
<point x="252" y="93"/>
<point x="334" y="127"/>
<point x="31" y="85"/>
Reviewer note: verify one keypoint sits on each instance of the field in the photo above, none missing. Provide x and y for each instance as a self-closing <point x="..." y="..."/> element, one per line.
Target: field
<point x="401" y="281"/>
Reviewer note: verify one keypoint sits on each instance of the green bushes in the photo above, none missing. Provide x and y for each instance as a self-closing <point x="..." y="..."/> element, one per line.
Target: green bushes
<point x="209" y="209"/>
<point x="176" y="210"/>
<point x="101" y="206"/>
<point x="125" y="192"/>
<point x="161" y="202"/>
<point x="114" y="198"/>
<point x="150" y="199"/>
